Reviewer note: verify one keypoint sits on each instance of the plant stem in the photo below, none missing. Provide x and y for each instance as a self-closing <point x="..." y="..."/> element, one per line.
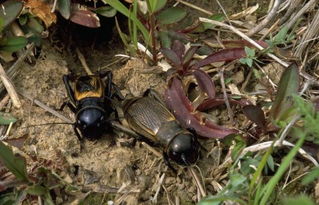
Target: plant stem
<point x="152" y="34"/>
<point x="269" y="188"/>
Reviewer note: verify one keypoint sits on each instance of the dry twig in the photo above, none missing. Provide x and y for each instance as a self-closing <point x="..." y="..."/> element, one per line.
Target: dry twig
<point x="10" y="88"/>
<point x="222" y="82"/>
<point x="45" y="107"/>
<point x="266" y="145"/>
<point x="4" y="101"/>
<point x="83" y="62"/>
<point x="292" y="7"/>
<point x="311" y="34"/>
<point x="159" y="185"/>
<point x="195" y="7"/>
<point x="198" y="183"/>
<point x="266" y="20"/>
<point x="303" y="10"/>
<point x="12" y="71"/>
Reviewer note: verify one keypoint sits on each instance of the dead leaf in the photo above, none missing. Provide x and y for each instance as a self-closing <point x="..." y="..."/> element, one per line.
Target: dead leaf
<point x="245" y="12"/>
<point x="42" y="10"/>
<point x="82" y="16"/>
<point x="6" y="56"/>
<point x="234" y="89"/>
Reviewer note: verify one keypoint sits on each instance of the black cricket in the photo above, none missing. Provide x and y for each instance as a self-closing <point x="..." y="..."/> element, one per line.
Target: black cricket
<point x="90" y="98"/>
<point x="150" y="118"/>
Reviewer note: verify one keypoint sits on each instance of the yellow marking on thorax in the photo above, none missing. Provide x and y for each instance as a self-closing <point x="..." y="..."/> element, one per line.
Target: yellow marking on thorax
<point x="97" y="92"/>
<point x="80" y="96"/>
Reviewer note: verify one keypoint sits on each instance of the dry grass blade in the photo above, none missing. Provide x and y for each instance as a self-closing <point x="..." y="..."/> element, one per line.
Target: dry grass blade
<point x="45" y="107"/>
<point x="4" y="101"/>
<point x="292" y="7"/>
<point x="311" y="33"/>
<point x="12" y="71"/>
<point x="198" y="183"/>
<point x="10" y="88"/>
<point x="267" y="20"/>
<point x="287" y="129"/>
<point x="83" y="62"/>
<point x="244" y="36"/>
<point x="159" y="185"/>
<point x="152" y="150"/>
<point x="195" y="7"/>
<point x="266" y="145"/>
<point x="303" y="10"/>
<point x="222" y="81"/>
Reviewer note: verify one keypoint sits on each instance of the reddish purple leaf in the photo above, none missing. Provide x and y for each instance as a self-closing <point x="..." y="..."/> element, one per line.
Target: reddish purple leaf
<point x="81" y="15"/>
<point x="179" y="48"/>
<point x="17" y="142"/>
<point x="2" y="186"/>
<point x="171" y="56"/>
<point x="205" y="83"/>
<point x="210" y="103"/>
<point x="242" y="43"/>
<point x="188" y="117"/>
<point x="255" y="114"/>
<point x="189" y="55"/>
<point x="222" y="55"/>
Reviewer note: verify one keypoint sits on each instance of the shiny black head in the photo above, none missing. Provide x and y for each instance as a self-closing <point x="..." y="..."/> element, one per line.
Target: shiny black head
<point x="184" y="149"/>
<point x="91" y="123"/>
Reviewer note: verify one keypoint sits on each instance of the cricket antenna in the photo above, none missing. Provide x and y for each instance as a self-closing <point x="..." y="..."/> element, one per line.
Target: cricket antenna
<point x="50" y="123"/>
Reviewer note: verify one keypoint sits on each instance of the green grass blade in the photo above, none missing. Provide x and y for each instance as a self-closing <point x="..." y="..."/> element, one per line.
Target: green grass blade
<point x="260" y="168"/>
<point x="15" y="164"/>
<point x="268" y="189"/>
<point x="217" y="199"/>
<point x="122" y="9"/>
<point x="134" y="26"/>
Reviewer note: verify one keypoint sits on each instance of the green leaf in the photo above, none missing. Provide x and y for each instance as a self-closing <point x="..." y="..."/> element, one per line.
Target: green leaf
<point x="247" y="61"/>
<point x="9" y="11"/>
<point x="165" y="39"/>
<point x="156" y="5"/>
<point x="311" y="176"/>
<point x="122" y="9"/>
<point x="270" y="186"/>
<point x="23" y="19"/>
<point x="288" y="85"/>
<point x="280" y="37"/>
<point x="8" y="198"/>
<point x="106" y="11"/>
<point x="64" y="7"/>
<point x="1" y="24"/>
<point x="15" y="164"/>
<point x="6" y="118"/>
<point x="271" y="163"/>
<point x="35" y="25"/>
<point x="36" y="190"/>
<point x="171" y="15"/>
<point x="216" y="200"/>
<point x="304" y="200"/>
<point x="237" y="179"/>
<point x="48" y="199"/>
<point x="240" y="145"/>
<point x="13" y="44"/>
<point x="250" y="52"/>
<point x="206" y="26"/>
